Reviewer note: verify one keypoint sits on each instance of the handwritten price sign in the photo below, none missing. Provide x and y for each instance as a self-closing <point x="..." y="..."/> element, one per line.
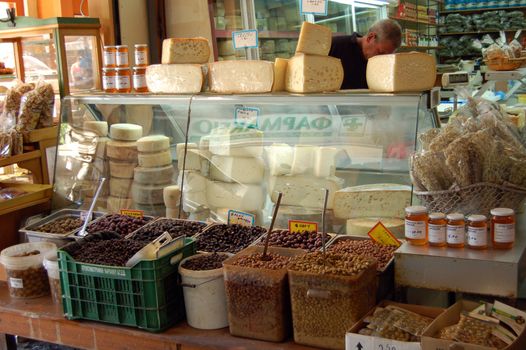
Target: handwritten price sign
<point x="133" y="213"/>
<point x="245" y="39"/>
<point x="380" y="234"/>
<point x="240" y="218"/>
<point x="246" y="116"/>
<point x="314" y="7"/>
<point x="298" y="226"/>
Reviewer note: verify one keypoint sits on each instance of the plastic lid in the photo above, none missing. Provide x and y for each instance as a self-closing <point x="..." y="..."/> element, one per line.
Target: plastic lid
<point x="120" y="46"/>
<point x="455" y="216"/>
<point x="141" y="45"/>
<point x="437" y="216"/>
<point x="12" y="257"/>
<point x="477" y="218"/>
<point x="502" y="212"/>
<point x="416" y="209"/>
<point x="109" y="46"/>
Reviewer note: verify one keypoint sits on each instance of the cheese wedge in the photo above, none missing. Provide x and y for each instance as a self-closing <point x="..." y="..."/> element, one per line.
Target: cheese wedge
<point x="314" y="39"/>
<point x="311" y="73"/>
<point x="185" y="50"/>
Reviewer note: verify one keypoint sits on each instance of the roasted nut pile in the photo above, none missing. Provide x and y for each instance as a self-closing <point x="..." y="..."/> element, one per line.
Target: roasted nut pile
<point x="61" y="225"/>
<point x="111" y="252"/>
<point x="473" y="331"/>
<point x="255" y="260"/>
<point x="205" y="262"/>
<point x="228" y="238"/>
<point x="122" y="224"/>
<point x="28" y="283"/>
<point x="174" y="227"/>
<point x="310" y="241"/>
<point x="334" y="263"/>
<point x="365" y="247"/>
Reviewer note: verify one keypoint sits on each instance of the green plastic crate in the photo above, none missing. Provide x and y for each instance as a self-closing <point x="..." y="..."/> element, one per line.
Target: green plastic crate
<point x="146" y="296"/>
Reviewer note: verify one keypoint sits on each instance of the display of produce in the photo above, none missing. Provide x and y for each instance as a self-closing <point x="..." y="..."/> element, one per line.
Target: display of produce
<point x="175" y="228"/>
<point x="306" y="240"/>
<point x="240" y="77"/>
<point x="61" y="225"/>
<point x="122" y="224"/>
<point x="384" y="254"/>
<point x="174" y="78"/>
<point x="228" y="238"/>
<point x="185" y="50"/>
<point x="205" y="262"/>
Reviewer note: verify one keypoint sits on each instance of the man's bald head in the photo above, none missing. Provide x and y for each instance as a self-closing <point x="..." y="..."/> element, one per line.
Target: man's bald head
<point x="384" y="37"/>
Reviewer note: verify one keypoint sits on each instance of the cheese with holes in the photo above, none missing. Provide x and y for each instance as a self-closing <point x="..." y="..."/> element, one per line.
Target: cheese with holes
<point x="172" y="196"/>
<point x="240" y="77"/>
<point x="242" y="197"/>
<point x="325" y="161"/>
<point x="152" y="160"/>
<point x="153" y="143"/>
<point x="194" y="201"/>
<point x="303" y="160"/>
<point x="193" y="160"/>
<point x="192" y="182"/>
<point x="304" y="191"/>
<point x="185" y="50"/>
<point x="237" y="169"/>
<point x="120" y="187"/>
<point x="362" y="226"/>
<point x="237" y="141"/>
<point x="122" y="150"/>
<point x="314" y="39"/>
<point x="115" y="204"/>
<point x="125" y="132"/>
<point x="375" y="200"/>
<point x="174" y="78"/>
<point x="158" y="175"/>
<point x="280" y="71"/>
<point x="99" y="128"/>
<point x="401" y="72"/>
<point x="310" y="73"/>
<point x="147" y="194"/>
<point x="123" y="170"/>
<point x="279" y="158"/>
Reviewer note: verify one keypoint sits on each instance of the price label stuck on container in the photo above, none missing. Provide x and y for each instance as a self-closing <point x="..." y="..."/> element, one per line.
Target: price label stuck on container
<point x="314" y="7"/>
<point x="380" y="234"/>
<point x="246" y="116"/>
<point x="236" y="217"/>
<point x="245" y="39"/>
<point x="133" y="213"/>
<point x="299" y="226"/>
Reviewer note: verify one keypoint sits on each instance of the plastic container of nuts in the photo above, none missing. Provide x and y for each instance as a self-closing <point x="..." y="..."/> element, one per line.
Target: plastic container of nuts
<point x="26" y="275"/>
<point x="257" y="293"/>
<point x="53" y="274"/>
<point x="328" y="295"/>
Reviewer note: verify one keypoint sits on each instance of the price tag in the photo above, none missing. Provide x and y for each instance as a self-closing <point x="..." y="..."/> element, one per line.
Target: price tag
<point x="236" y="217"/>
<point x="133" y="213"/>
<point x="245" y="39"/>
<point x="298" y="226"/>
<point x="314" y="7"/>
<point x="380" y="234"/>
<point x="247" y="116"/>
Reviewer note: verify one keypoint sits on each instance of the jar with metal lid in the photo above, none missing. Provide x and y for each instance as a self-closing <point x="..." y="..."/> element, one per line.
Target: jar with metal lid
<point x="416" y="225"/>
<point x="477" y="237"/>
<point x="437" y="229"/>
<point x="139" y="79"/>
<point x="502" y="228"/>
<point x="142" y="58"/>
<point x="109" y="76"/>
<point x="456" y="230"/>
<point x="122" y="56"/>
<point x="123" y="80"/>
<point x="109" y="56"/>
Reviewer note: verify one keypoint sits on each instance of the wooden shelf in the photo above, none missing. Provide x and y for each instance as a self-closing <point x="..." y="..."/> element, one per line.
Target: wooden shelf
<point x="19" y="158"/>
<point x="265" y="34"/>
<point x="413" y="21"/>
<point x="468" y="11"/>
<point x="481" y="32"/>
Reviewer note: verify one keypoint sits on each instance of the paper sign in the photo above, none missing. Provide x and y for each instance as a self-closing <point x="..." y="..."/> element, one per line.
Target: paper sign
<point x="236" y="217"/>
<point x="314" y="7"/>
<point x="245" y="39"/>
<point x="298" y="226"/>
<point x="355" y="341"/>
<point x="133" y="213"/>
<point x="247" y="116"/>
<point x="380" y="234"/>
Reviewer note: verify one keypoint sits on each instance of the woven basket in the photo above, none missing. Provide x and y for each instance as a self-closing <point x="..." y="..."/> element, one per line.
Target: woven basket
<point x="478" y="198"/>
<point x="504" y="63"/>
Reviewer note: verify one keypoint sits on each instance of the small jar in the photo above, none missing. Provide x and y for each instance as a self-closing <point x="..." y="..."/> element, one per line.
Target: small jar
<point x="416" y="221"/>
<point x="437" y="229"/>
<point x="502" y="228"/>
<point x="477" y="237"/>
<point x="109" y="76"/>
<point x="123" y="80"/>
<point x="139" y="79"/>
<point x="142" y="57"/>
<point x="122" y="56"/>
<point x="456" y="230"/>
<point x="109" y="56"/>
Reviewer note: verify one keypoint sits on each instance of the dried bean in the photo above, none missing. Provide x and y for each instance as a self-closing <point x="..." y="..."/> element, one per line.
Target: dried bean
<point x="228" y="238"/>
<point x="122" y="224"/>
<point x="111" y="252"/>
<point x="174" y="227"/>
<point x="61" y="225"/>
<point x="255" y="260"/>
<point x="343" y="264"/>
<point x="205" y="262"/>
<point x="310" y="241"/>
<point x="382" y="253"/>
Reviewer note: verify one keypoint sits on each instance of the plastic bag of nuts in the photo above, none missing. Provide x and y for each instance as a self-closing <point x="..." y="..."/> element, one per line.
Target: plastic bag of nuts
<point x="26" y="275"/>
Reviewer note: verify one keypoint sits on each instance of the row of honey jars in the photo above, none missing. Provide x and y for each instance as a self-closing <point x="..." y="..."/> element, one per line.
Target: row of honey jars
<point x="121" y="80"/>
<point x="450" y="230"/>
<point x="117" y="56"/>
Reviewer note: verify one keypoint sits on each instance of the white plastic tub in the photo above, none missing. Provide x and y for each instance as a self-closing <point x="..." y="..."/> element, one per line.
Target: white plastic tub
<point x="53" y="274"/>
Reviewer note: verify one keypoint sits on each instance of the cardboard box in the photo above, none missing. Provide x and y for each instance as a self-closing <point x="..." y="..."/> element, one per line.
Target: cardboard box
<point x="450" y="317"/>
<point x="354" y="341"/>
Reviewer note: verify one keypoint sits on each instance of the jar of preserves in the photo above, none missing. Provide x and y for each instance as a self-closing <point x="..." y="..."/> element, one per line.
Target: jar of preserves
<point x="123" y="80"/>
<point x="121" y="56"/>
<point x="142" y="57"/>
<point x="109" y="56"/>
<point x="456" y="230"/>
<point x="109" y="76"/>
<point x="502" y="228"/>
<point x="437" y="229"/>
<point x="477" y="237"/>
<point x="139" y="79"/>
<point x="416" y="225"/>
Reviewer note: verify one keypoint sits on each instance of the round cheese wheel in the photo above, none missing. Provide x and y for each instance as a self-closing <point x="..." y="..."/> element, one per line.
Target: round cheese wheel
<point x="120" y="187"/>
<point x="172" y="196"/>
<point x="115" y="204"/>
<point x="154" y="176"/>
<point x="99" y="128"/>
<point x="152" y="160"/>
<point x="147" y="194"/>
<point x="121" y="150"/>
<point x="173" y="213"/>
<point x="123" y="170"/>
<point x="153" y="143"/>
<point x="125" y="132"/>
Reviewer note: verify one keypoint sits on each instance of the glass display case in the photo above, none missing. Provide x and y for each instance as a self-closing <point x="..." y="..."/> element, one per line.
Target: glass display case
<point x="238" y="150"/>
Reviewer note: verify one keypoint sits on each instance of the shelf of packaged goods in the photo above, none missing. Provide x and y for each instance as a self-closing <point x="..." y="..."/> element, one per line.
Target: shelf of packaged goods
<point x="469" y="11"/>
<point x="420" y="47"/>
<point x="479" y="32"/>
<point x="264" y="34"/>
<point x="413" y="20"/>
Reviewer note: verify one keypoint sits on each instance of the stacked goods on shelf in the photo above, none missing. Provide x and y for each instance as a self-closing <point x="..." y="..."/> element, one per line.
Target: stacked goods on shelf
<point x="486" y="21"/>
<point x="123" y="157"/>
<point x="154" y="173"/>
<point x="455" y="5"/>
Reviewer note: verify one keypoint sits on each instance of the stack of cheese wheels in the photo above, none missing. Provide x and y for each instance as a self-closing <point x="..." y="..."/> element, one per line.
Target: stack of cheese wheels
<point x="122" y="153"/>
<point x="172" y="197"/>
<point x="154" y="173"/>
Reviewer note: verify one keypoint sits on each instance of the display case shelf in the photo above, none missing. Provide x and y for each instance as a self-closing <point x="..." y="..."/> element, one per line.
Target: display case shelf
<point x="413" y="20"/>
<point x="470" y="11"/>
<point x="479" y="32"/>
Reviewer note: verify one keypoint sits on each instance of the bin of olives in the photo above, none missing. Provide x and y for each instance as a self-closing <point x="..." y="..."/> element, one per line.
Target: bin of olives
<point x="122" y="224"/>
<point x="307" y="240"/>
<point x="257" y="293"/>
<point x="228" y="238"/>
<point x="175" y="227"/>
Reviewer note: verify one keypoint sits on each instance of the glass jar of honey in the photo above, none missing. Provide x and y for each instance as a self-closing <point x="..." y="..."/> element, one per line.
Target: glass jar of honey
<point x="416" y="221"/>
<point x="477" y="237"/>
<point x="123" y="80"/>
<point x="437" y="229"/>
<point x="139" y="79"/>
<point x="502" y="228"/>
<point x="142" y="58"/>
<point x="121" y="56"/>
<point x="109" y="56"/>
<point x="455" y="231"/>
<point x="109" y="76"/>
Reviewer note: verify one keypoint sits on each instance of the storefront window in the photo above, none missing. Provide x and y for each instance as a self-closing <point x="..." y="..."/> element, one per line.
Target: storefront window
<point x="80" y="61"/>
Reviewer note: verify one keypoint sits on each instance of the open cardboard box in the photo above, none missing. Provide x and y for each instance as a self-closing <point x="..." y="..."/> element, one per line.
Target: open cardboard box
<point x="355" y="341"/>
<point x="450" y="317"/>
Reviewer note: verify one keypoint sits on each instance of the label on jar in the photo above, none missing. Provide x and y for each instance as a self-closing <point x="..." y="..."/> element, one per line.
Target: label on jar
<point x="455" y="234"/>
<point x="437" y="233"/>
<point x="123" y="82"/>
<point x="122" y="59"/>
<point x="108" y="82"/>
<point x="415" y="229"/>
<point x="504" y="233"/>
<point x="139" y="81"/>
<point x="141" y="58"/>
<point x="109" y="58"/>
<point x="477" y="236"/>
<point x="16" y="282"/>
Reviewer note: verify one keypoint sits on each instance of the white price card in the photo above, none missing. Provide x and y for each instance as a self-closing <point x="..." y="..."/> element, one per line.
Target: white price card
<point x="314" y="7"/>
<point x="245" y="39"/>
<point x="246" y="116"/>
<point x="240" y="218"/>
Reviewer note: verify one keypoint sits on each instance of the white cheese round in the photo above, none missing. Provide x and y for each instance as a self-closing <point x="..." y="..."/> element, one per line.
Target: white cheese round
<point x="361" y="226"/>
<point x="153" y="176"/>
<point x="99" y="128"/>
<point x="123" y="170"/>
<point x="153" y="143"/>
<point x="147" y="194"/>
<point x="121" y="150"/>
<point x="125" y="132"/>
<point x="152" y="160"/>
